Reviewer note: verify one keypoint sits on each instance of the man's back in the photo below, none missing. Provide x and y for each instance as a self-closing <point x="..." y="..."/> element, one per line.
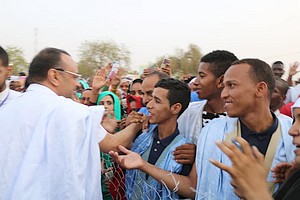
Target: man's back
<point x="48" y="150"/>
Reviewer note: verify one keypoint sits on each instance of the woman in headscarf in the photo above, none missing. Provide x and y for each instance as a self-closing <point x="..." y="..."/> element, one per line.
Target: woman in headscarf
<point x="111" y="103"/>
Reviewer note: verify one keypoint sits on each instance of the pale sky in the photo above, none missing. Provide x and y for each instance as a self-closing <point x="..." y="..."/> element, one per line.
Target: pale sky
<point x="265" y="29"/>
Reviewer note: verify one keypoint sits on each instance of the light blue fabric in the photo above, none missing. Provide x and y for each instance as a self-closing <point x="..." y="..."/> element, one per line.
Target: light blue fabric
<point x="213" y="183"/>
<point x="144" y="110"/>
<point x="194" y="97"/>
<point x="152" y="189"/>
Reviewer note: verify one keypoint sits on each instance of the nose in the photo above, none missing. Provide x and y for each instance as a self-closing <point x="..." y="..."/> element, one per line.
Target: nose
<point x="224" y="93"/>
<point x="146" y="99"/>
<point x="86" y="101"/>
<point x="150" y="104"/>
<point x="294" y="130"/>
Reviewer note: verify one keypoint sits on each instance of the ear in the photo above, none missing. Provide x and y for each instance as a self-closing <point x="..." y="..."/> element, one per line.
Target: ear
<point x="176" y="108"/>
<point x="261" y="89"/>
<point x="53" y="77"/>
<point x="9" y="70"/>
<point x="220" y="83"/>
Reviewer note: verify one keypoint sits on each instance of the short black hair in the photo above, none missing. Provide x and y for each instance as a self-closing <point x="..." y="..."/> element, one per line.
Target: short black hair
<point x="219" y="60"/>
<point x="161" y="75"/>
<point x="4" y="57"/>
<point x="259" y="71"/>
<point x="46" y="59"/>
<point x="178" y="92"/>
<point x="277" y="63"/>
<point x="138" y="80"/>
<point x="284" y="86"/>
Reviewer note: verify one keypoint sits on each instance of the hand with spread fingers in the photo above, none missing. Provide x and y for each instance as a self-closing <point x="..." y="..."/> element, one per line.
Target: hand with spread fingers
<point x="247" y="170"/>
<point x="283" y="170"/>
<point x="130" y="160"/>
<point x="99" y="80"/>
<point x="185" y="154"/>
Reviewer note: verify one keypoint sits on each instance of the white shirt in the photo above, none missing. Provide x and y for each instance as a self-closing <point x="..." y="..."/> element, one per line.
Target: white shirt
<point x="7" y="96"/>
<point x="49" y="147"/>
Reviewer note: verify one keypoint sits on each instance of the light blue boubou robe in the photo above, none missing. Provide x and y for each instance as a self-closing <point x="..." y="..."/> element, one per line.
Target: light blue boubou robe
<point x="136" y="186"/>
<point x="213" y="183"/>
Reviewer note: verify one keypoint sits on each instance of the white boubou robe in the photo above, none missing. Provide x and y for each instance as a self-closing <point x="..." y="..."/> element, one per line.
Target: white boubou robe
<point x="49" y="147"/>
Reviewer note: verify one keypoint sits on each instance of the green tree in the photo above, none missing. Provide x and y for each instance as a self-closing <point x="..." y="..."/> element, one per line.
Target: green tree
<point x="96" y="54"/>
<point x="16" y="57"/>
<point x="184" y="61"/>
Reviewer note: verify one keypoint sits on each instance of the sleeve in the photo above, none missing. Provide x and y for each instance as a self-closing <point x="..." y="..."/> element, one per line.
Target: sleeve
<point x="96" y="115"/>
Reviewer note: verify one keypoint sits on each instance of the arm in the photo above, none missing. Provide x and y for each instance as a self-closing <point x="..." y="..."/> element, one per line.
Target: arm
<point x="123" y="137"/>
<point x="185" y="185"/>
<point x="247" y="170"/>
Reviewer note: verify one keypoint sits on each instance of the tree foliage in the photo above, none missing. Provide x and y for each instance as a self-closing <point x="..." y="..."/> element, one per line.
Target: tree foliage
<point x="16" y="57"/>
<point x="96" y="54"/>
<point x="184" y="62"/>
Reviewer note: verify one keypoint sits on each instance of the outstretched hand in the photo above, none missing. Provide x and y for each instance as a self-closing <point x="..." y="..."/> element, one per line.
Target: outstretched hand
<point x="130" y="160"/>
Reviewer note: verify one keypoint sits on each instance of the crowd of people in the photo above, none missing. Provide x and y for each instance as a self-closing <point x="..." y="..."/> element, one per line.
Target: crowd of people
<point x="231" y="131"/>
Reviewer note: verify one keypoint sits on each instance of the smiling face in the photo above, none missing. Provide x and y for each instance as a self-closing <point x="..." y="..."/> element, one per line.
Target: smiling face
<point x="239" y="91"/>
<point x="159" y="107"/>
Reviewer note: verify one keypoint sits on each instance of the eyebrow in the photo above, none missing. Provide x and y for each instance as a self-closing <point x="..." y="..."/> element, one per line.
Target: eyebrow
<point x="157" y="98"/>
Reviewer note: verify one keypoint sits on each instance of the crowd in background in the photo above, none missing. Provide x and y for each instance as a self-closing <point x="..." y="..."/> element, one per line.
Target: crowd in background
<point x="156" y="135"/>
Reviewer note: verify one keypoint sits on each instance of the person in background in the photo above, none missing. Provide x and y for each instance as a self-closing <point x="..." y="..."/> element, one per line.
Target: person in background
<point x="85" y="97"/>
<point x="278" y="95"/>
<point x="112" y="104"/>
<point x="6" y="94"/>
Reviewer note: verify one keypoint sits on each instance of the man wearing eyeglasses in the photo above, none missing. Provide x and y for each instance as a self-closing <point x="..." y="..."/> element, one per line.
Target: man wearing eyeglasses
<point x="49" y="148"/>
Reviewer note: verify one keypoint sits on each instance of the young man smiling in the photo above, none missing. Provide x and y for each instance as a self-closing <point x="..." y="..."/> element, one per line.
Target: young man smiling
<point x="170" y="98"/>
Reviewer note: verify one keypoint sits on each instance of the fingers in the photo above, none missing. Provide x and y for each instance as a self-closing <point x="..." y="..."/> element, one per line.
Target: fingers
<point x="221" y="166"/>
<point x="245" y="145"/>
<point x="185" y="161"/>
<point x="230" y="150"/>
<point x="259" y="157"/>
<point x="124" y="150"/>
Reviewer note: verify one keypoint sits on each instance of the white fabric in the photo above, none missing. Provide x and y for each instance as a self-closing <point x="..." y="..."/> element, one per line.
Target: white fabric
<point x="190" y="121"/>
<point x="213" y="183"/>
<point x="49" y="148"/>
<point x="11" y="95"/>
<point x="291" y="95"/>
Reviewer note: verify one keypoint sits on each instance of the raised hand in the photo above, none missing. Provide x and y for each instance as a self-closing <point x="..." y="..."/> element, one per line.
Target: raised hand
<point x="247" y="170"/>
<point x="130" y="160"/>
<point x="293" y="69"/>
<point x="185" y="154"/>
<point x="99" y="80"/>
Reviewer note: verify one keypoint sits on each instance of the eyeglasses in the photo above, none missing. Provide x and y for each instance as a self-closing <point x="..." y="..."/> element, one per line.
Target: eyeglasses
<point x="77" y="76"/>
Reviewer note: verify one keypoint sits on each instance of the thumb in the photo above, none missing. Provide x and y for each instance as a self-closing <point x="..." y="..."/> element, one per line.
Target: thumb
<point x="124" y="150"/>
